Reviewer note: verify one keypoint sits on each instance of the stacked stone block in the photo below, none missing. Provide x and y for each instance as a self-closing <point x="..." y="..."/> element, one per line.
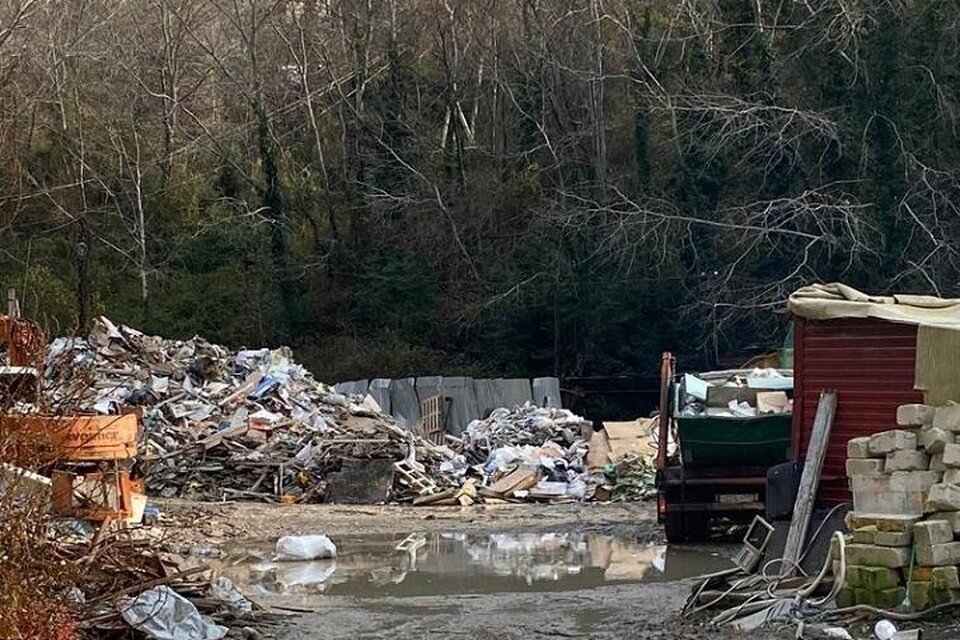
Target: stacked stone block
<point x="905" y="526"/>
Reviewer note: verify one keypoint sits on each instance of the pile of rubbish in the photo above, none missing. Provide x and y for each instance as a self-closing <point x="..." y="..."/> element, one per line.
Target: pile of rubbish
<point x="253" y="424"/>
<point x="737" y="394"/>
<point x="540" y="453"/>
<point x="530" y="452"/>
<point x="526" y="425"/>
<point x="218" y="424"/>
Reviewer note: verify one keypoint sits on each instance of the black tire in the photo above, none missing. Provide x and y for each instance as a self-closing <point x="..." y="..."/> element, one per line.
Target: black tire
<point x="686" y="527"/>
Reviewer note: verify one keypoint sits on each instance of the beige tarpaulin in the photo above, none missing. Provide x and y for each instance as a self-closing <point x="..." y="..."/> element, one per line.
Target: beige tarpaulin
<point x="835" y="300"/>
<point x="938" y="335"/>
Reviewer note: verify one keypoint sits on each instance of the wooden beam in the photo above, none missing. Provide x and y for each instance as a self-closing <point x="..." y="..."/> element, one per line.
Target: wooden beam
<point x="809" y="482"/>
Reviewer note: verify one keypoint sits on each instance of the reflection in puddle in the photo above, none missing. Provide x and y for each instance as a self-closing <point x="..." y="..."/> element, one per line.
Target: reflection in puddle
<point x="459" y="563"/>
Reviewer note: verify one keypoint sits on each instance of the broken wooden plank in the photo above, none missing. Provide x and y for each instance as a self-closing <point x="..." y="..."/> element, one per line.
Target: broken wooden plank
<point x="809" y="482"/>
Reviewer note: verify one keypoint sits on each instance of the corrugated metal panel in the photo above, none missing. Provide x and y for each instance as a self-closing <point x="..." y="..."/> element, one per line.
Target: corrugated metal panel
<point x="871" y="364"/>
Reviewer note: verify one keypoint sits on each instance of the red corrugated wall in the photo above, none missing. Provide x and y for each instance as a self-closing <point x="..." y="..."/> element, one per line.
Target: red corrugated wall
<point x="871" y="364"/>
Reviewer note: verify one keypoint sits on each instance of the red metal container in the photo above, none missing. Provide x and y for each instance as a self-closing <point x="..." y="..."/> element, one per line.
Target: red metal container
<point x="871" y="364"/>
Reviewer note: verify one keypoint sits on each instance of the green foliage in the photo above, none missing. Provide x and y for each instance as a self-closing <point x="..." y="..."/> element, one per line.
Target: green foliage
<point x="46" y="298"/>
<point x="437" y="202"/>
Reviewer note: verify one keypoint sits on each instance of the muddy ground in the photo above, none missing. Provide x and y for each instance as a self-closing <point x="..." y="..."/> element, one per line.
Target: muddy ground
<point x="216" y="523"/>
<point x="633" y="610"/>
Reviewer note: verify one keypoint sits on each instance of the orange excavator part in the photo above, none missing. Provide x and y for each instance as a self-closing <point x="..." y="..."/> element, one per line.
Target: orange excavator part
<point x="25" y="341"/>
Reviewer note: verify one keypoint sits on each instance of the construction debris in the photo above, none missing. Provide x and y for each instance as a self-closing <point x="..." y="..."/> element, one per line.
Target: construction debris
<point x="633" y="478"/>
<point x="253" y="424"/>
<point x="737" y="394"/>
<point x="524" y="425"/>
<point x="550" y="454"/>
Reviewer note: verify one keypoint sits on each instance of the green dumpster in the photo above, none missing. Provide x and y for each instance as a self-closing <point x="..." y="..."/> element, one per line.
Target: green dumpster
<point x="707" y="441"/>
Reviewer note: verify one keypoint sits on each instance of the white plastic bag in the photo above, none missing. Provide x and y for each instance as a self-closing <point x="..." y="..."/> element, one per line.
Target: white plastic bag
<point x="313" y="547"/>
<point x="163" y="614"/>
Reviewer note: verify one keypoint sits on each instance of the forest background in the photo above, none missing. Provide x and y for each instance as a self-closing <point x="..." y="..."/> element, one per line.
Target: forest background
<point x="486" y="187"/>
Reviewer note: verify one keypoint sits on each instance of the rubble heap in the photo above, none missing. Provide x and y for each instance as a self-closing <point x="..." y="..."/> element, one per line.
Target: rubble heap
<point x="523" y="425"/>
<point x="250" y="424"/>
<point x="906" y="519"/>
<point x="253" y="424"/>
<point x="533" y="452"/>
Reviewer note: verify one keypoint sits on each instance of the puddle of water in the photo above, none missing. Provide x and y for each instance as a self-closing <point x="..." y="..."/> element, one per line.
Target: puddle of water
<point x="459" y="563"/>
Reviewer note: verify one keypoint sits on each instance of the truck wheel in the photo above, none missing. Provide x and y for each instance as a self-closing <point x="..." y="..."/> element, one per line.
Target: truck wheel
<point x="697" y="527"/>
<point x="685" y="527"/>
<point x="673" y="527"/>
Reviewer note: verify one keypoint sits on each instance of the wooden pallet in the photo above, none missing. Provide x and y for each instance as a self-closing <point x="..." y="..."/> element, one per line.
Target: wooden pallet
<point x="431" y="424"/>
<point x="414" y="478"/>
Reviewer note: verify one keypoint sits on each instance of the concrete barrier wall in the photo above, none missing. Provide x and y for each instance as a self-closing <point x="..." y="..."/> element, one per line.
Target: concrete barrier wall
<point x="404" y="403"/>
<point x="470" y="399"/>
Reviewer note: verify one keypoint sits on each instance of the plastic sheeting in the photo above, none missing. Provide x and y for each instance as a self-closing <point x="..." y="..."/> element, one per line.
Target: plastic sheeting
<point x="163" y="614"/>
<point x="310" y="547"/>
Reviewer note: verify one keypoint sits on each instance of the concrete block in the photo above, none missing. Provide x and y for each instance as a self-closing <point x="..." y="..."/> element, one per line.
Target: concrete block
<point x="893" y="538"/>
<point x="933" y="440"/>
<point x="915" y="415"/>
<point x="921" y="595"/>
<point x="859" y="448"/>
<point x="947" y="418"/>
<point x="428" y="387"/>
<point x="885" y="599"/>
<point x="938" y="555"/>
<point x="931" y="532"/>
<point x="353" y="387"/>
<point x="951" y="455"/>
<point x="882" y="521"/>
<point x="515" y="391"/>
<point x="951" y="476"/>
<point x="404" y="403"/>
<point x="946" y="578"/>
<point x="908" y="481"/>
<point x="890" y="441"/>
<point x="463" y="405"/>
<point x="953" y="517"/>
<point x="851" y="575"/>
<point x="864" y="466"/>
<point x="865" y="535"/>
<point x="907" y="460"/>
<point x="546" y="392"/>
<point x="493" y="393"/>
<point x="484" y="390"/>
<point x="922" y="574"/>
<point x="936" y="462"/>
<point x="380" y="390"/>
<point x="845" y="598"/>
<point x="878" y="578"/>
<point x="891" y="502"/>
<point x="876" y="556"/>
<point x="870" y="484"/>
<point x="943" y="497"/>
